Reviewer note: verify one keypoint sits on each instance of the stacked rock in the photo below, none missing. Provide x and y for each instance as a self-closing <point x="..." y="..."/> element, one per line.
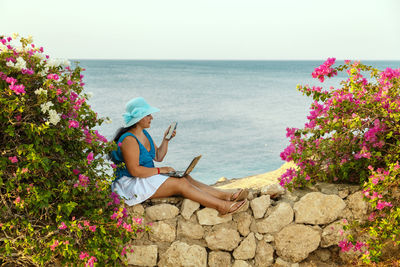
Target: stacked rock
<point x="277" y="228"/>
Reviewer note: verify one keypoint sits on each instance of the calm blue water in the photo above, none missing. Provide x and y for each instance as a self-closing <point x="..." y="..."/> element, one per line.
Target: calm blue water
<point x="234" y="113"/>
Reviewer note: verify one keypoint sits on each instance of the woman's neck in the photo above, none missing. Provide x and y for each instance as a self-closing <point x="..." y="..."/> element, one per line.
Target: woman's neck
<point x="137" y="130"/>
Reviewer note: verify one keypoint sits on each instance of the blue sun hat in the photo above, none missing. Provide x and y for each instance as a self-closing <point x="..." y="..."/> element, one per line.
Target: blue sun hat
<point x="136" y="109"/>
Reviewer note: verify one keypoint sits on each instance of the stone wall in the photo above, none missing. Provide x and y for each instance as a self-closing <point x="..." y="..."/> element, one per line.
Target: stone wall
<point x="278" y="228"/>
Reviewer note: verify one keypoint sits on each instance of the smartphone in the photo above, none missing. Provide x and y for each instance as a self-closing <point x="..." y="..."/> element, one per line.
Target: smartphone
<point x="172" y="128"/>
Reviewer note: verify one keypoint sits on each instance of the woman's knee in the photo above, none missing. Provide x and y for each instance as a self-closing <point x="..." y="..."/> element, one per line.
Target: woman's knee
<point x="189" y="178"/>
<point x="183" y="182"/>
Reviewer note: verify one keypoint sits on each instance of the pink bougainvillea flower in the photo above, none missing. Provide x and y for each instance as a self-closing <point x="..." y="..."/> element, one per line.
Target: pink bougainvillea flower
<point x="83" y="255"/>
<point x="359" y="245"/>
<point x="91" y="261"/>
<point x="128" y="227"/>
<point x="83" y="180"/>
<point x="73" y="96"/>
<point x="17" y="200"/>
<point x="27" y="71"/>
<point x="371" y="217"/>
<point x="73" y="124"/>
<point x="54" y="245"/>
<point x="13" y="159"/>
<point x="123" y="252"/>
<point x="325" y="70"/>
<point x="53" y="77"/>
<point x="287" y="177"/>
<point x="375" y="181"/>
<point x="382" y="204"/>
<point x="75" y="171"/>
<point x="92" y="228"/>
<point x="62" y="226"/>
<point x="114" y="216"/>
<point x="345" y="245"/>
<point x="11" y="80"/>
<point x="90" y="158"/>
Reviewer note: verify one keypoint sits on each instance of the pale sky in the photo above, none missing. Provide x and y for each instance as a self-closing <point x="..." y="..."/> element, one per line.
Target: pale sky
<point x="208" y="29"/>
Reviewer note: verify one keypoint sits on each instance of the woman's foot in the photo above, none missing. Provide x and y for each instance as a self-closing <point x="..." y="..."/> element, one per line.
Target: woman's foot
<point x="232" y="207"/>
<point x="239" y="195"/>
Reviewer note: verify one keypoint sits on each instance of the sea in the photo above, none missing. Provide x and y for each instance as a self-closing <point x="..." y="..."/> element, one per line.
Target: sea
<point x="233" y="113"/>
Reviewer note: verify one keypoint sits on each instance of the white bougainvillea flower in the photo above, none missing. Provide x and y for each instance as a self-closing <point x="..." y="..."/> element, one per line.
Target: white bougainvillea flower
<point x="40" y="91"/>
<point x="45" y="107"/>
<point x="54" y="118"/>
<point x="57" y="62"/>
<point x="20" y="64"/>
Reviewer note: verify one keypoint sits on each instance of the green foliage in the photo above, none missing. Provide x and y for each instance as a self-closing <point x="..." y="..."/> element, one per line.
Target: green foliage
<point x="353" y="136"/>
<point x="56" y="203"/>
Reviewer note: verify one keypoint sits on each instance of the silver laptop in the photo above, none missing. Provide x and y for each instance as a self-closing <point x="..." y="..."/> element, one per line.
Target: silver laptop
<point x="181" y="174"/>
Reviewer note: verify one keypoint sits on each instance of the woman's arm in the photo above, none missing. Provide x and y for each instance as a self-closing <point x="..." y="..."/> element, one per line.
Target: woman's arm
<point x="163" y="149"/>
<point x="131" y="151"/>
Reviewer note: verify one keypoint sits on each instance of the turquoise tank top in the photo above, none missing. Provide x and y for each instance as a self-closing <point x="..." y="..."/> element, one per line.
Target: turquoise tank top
<point x="145" y="157"/>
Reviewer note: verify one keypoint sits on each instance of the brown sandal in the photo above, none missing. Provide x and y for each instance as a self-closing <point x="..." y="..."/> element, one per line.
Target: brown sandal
<point x="240" y="207"/>
<point x="241" y="194"/>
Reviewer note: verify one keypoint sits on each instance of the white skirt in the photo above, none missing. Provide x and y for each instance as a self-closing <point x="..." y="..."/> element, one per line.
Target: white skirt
<point x="136" y="190"/>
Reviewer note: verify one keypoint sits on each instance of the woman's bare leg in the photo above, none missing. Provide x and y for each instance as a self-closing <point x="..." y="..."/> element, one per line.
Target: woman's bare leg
<point x="181" y="186"/>
<point x="209" y="189"/>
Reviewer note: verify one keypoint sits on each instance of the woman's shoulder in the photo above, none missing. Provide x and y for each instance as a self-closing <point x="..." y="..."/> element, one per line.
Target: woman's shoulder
<point x="125" y="135"/>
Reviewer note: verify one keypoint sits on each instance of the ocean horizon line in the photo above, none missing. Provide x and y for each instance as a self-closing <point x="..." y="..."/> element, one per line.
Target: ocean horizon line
<point x="227" y="60"/>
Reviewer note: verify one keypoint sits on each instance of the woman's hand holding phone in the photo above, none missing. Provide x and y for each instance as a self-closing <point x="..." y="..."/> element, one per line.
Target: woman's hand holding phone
<point x="171" y="131"/>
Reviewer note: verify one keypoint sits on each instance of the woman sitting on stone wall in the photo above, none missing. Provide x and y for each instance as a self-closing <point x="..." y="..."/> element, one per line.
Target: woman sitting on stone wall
<point x="139" y="179"/>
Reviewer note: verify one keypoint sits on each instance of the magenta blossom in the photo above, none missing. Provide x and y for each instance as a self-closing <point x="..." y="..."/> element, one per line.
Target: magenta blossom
<point x="13" y="159"/>
<point x="91" y="261"/>
<point x="325" y="70"/>
<point x="54" y="245"/>
<point x="18" y="89"/>
<point x="53" y="77"/>
<point x="62" y="226"/>
<point x="73" y="124"/>
<point x="83" y="180"/>
<point x="382" y="204"/>
<point x="90" y="158"/>
<point x="83" y="255"/>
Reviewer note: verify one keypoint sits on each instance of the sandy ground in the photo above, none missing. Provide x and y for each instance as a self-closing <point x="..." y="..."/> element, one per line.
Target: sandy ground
<point x="256" y="181"/>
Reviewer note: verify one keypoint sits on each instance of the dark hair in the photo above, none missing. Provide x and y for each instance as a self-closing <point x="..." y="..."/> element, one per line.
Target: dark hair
<point x="121" y="131"/>
<point x="118" y="134"/>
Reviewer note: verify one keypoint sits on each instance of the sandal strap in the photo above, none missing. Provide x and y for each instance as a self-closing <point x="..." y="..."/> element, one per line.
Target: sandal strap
<point x="239" y="206"/>
<point x="233" y="198"/>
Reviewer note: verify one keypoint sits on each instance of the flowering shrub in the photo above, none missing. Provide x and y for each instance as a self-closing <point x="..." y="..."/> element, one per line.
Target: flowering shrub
<point x="54" y="184"/>
<point x="353" y="135"/>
